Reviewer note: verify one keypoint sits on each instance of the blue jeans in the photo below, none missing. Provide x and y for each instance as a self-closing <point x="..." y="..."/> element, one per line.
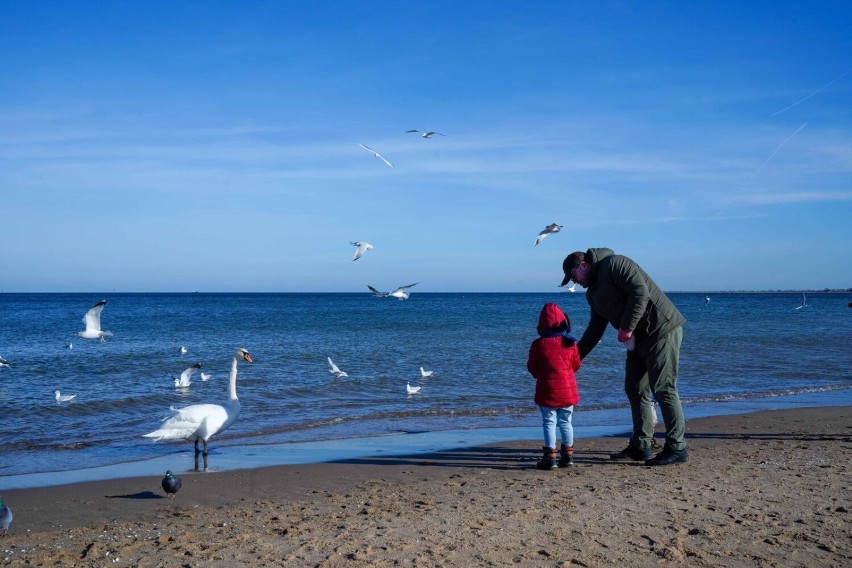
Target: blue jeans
<point x="553" y="418"/>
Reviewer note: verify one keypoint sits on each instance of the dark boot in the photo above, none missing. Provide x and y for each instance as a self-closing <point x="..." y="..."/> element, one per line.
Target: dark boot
<point x="566" y="456"/>
<point x="548" y="459"/>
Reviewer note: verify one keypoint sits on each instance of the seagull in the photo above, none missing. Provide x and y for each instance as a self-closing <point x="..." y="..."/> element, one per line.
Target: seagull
<point x="184" y="381"/>
<point x="552" y="228"/>
<point x="201" y="421"/>
<point x="402" y="292"/>
<point x="4" y="362"/>
<point x="5" y="518"/>
<point x="69" y="345"/>
<point x="426" y="135"/>
<point x="183" y="349"/>
<point x="573" y="288"/>
<point x="412" y="390"/>
<point x="706" y="300"/>
<point x="376" y="154"/>
<point x="64" y="397"/>
<point x="92" y="319"/>
<point x="171" y="484"/>
<point x="335" y="371"/>
<point x="205" y="376"/>
<point x="424" y="373"/>
<point x="804" y="302"/>
<point x="376" y="293"/>
<point x="360" y="248"/>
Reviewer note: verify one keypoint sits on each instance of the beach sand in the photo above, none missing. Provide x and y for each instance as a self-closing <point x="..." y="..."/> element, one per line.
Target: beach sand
<point x="764" y="489"/>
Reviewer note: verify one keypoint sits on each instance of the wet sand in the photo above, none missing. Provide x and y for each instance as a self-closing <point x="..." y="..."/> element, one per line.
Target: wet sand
<point x="771" y="488"/>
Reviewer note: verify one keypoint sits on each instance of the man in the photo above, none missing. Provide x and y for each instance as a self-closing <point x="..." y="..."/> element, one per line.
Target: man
<point x="619" y="292"/>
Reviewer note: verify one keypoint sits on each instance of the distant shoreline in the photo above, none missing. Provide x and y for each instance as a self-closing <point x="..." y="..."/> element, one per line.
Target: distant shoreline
<point x="359" y="293"/>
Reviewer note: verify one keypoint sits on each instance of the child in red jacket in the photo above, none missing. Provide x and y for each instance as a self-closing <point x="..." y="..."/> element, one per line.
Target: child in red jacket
<point x="552" y="361"/>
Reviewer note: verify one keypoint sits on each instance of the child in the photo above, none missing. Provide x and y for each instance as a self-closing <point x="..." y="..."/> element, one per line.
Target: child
<point x="552" y="361"/>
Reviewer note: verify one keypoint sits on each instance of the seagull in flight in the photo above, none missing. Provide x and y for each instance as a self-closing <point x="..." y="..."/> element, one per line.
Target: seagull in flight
<point x="376" y="154"/>
<point x="360" y="248"/>
<point x="4" y="362"/>
<point x="401" y="293"/>
<point x="552" y="228"/>
<point x="804" y="302"/>
<point x="92" y="319"/>
<point x="335" y="371"/>
<point x="427" y="134"/>
<point x="184" y="381"/>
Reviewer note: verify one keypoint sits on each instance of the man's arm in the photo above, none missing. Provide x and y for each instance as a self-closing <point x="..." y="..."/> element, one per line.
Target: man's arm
<point x="593" y="334"/>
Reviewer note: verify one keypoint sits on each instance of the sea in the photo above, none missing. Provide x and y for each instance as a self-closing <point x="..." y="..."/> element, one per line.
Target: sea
<point x="740" y="352"/>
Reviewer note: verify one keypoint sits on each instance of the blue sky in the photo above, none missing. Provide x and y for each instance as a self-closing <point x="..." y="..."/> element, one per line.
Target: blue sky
<point x="213" y="146"/>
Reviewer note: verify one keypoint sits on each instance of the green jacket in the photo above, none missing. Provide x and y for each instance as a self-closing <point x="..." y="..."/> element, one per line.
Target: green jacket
<point x="621" y="293"/>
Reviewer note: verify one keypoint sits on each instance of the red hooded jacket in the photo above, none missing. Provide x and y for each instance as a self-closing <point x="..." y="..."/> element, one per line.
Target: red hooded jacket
<point x="553" y="359"/>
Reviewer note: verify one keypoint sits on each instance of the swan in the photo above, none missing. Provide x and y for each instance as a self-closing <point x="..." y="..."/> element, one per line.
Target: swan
<point x="201" y="421"/>
<point x="92" y="319"/>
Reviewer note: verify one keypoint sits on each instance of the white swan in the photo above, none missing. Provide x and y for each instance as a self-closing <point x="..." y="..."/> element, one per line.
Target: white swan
<point x="201" y="421"/>
<point x="92" y="319"/>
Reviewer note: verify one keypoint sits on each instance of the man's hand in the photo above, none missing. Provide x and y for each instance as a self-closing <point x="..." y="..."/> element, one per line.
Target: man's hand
<point x="624" y="335"/>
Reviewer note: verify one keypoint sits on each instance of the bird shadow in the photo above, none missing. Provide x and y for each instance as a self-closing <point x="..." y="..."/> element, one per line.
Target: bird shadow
<point x="140" y="495"/>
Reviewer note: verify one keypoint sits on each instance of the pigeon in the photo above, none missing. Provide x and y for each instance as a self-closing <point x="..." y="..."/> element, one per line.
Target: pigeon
<point x="427" y="134"/>
<point x="184" y="380"/>
<point x="64" y="397"/>
<point x="205" y="376"/>
<point x="552" y="228"/>
<point x="376" y="154"/>
<point x="92" y="319"/>
<point x="424" y="373"/>
<point x="412" y="390"/>
<point x="360" y="249"/>
<point x="183" y="350"/>
<point x="171" y="484"/>
<point x="335" y="371"/>
<point x="5" y="518"/>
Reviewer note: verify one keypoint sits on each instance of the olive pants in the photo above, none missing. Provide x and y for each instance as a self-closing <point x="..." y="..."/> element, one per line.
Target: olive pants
<point x="655" y="373"/>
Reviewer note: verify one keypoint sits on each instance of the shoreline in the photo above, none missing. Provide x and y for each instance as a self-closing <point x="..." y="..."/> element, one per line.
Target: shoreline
<point x="771" y="486"/>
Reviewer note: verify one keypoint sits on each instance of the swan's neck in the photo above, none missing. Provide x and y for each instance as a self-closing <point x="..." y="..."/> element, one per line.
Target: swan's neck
<point x="232" y="381"/>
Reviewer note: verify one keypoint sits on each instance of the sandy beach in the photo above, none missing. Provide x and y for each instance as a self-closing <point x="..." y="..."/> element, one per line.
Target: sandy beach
<point x="764" y="489"/>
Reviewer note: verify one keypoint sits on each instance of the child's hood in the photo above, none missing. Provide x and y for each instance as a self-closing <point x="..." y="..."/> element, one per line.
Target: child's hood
<point x="552" y="320"/>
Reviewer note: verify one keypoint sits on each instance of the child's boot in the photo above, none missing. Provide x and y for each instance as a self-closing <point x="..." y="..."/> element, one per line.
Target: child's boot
<point x="548" y="459"/>
<point x="566" y="456"/>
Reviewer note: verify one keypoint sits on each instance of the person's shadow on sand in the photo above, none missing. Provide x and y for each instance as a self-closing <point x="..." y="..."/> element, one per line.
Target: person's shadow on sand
<point x="140" y="495"/>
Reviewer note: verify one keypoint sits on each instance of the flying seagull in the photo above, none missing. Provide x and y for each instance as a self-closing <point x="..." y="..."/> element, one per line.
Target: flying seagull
<point x="335" y="371"/>
<point x="376" y="154"/>
<point x="412" y="390"/>
<point x="360" y="248"/>
<point x="92" y="319"/>
<point x="184" y="381"/>
<point x="804" y="302"/>
<point x="401" y="293"/>
<point x="424" y="373"/>
<point x="552" y="228"/>
<point x="171" y="484"/>
<point x="4" y="362"/>
<point x="427" y="134"/>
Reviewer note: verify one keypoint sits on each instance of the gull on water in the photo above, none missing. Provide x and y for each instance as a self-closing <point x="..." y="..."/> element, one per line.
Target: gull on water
<point x="428" y="134"/>
<point x="360" y="248"/>
<point x="63" y="397"/>
<point x="424" y="373"/>
<point x="69" y="345"/>
<point x="205" y="376"/>
<point x="335" y="371"/>
<point x="552" y="228"/>
<point x="92" y="319"/>
<point x="376" y="154"/>
<point x="706" y="300"/>
<point x="412" y="390"/>
<point x="184" y="380"/>
<point x="183" y="349"/>
<point x="4" y="362"/>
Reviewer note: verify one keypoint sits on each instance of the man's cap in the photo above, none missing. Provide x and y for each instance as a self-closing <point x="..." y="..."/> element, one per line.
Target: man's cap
<point x="570" y="262"/>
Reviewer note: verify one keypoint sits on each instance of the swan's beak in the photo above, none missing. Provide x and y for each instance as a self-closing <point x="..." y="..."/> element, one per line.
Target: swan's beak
<point x="247" y="357"/>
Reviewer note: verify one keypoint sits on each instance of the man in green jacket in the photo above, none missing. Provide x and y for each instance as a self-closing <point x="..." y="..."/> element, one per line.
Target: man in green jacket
<point x="619" y="292"/>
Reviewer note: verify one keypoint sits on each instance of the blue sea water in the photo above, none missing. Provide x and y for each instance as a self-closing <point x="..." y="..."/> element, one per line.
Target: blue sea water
<point x="737" y="347"/>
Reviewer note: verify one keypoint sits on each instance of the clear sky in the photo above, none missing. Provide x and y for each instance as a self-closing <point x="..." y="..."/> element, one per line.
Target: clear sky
<point x="213" y="146"/>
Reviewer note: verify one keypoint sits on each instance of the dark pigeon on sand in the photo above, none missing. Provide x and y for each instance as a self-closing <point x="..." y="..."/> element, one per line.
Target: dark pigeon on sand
<point x="171" y="484"/>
